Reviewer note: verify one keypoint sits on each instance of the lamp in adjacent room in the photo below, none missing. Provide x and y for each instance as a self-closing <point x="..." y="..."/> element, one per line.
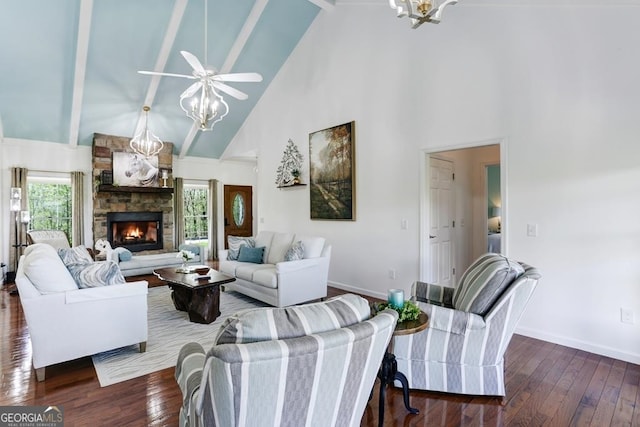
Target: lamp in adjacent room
<point x="496" y="212"/>
<point x="420" y="11"/>
<point x="145" y="142"/>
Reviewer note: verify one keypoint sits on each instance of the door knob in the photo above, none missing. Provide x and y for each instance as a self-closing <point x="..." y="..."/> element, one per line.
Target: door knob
<point x="432" y="237"/>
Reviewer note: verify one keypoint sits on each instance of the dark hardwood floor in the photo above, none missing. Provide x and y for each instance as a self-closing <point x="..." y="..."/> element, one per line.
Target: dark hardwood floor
<point x="547" y="385"/>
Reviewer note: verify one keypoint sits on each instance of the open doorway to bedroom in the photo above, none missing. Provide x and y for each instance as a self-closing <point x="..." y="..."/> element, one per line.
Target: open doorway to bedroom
<point x="460" y="218"/>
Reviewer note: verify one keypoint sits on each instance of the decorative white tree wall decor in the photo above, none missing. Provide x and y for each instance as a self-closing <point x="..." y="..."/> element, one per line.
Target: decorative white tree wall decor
<point x="290" y="168"/>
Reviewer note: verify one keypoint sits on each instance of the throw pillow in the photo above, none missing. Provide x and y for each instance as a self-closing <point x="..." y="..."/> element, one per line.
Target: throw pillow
<point x="191" y="248"/>
<point x="253" y="255"/>
<point x="235" y="242"/>
<point x="76" y="255"/>
<point x="45" y="269"/>
<point x="97" y="274"/>
<point x="484" y="281"/>
<point x="123" y="254"/>
<point x="295" y="252"/>
<point x="265" y="324"/>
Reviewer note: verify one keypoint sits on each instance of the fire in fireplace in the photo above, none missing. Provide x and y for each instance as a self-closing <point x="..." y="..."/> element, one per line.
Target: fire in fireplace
<point x="136" y="231"/>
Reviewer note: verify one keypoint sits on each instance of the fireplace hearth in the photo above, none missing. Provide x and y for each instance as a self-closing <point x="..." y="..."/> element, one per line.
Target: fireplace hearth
<point x="135" y="231"/>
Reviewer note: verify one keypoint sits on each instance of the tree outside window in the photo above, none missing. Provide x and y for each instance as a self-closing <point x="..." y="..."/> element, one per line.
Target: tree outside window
<point x="196" y="215"/>
<point x="49" y="206"/>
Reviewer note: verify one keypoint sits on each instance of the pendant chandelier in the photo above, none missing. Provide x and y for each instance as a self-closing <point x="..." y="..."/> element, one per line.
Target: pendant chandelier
<point x="420" y="11"/>
<point x="205" y="106"/>
<point x="146" y="143"/>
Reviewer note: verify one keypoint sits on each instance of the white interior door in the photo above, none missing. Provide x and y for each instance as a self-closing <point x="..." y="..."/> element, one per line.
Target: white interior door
<point x="440" y="269"/>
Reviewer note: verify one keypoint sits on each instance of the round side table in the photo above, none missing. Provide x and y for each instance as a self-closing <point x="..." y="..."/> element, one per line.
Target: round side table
<point x="388" y="372"/>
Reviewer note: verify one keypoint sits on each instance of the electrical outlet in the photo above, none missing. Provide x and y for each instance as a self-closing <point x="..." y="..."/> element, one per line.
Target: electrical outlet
<point x="404" y="224"/>
<point x="392" y="273"/>
<point x="627" y="316"/>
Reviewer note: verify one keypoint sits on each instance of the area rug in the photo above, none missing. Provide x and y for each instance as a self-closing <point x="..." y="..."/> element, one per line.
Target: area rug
<point x="169" y="330"/>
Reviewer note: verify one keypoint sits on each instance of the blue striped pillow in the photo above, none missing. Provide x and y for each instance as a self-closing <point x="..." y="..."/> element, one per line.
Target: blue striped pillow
<point x="235" y="243"/>
<point x="271" y="323"/>
<point x="484" y="281"/>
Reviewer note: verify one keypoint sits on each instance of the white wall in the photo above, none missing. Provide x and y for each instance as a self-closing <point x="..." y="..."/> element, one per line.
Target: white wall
<point x="52" y="157"/>
<point x="558" y="84"/>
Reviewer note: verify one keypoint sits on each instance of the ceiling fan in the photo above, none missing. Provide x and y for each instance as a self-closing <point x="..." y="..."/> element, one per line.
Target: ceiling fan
<point x="201" y="101"/>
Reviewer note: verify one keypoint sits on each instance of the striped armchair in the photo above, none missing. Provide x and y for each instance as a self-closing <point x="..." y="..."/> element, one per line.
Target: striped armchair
<point x="469" y="329"/>
<point x="313" y="364"/>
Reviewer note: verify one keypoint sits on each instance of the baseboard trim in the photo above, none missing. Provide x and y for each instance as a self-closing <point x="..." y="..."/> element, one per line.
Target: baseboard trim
<point x="580" y="345"/>
<point x="357" y="290"/>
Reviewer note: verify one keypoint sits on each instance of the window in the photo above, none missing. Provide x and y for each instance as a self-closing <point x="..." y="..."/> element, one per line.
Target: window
<point x="49" y="203"/>
<point x="196" y="214"/>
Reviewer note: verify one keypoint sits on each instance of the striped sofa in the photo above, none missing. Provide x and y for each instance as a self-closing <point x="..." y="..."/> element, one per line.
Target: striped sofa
<point x="469" y="329"/>
<point x="313" y="364"/>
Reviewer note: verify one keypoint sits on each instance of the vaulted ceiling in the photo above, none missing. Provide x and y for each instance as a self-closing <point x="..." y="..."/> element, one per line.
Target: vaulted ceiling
<point x="69" y="68"/>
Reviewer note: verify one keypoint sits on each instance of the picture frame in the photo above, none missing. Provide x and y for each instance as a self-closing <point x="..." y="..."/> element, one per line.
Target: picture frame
<point x="332" y="173"/>
<point x="135" y="170"/>
<point x="106" y="177"/>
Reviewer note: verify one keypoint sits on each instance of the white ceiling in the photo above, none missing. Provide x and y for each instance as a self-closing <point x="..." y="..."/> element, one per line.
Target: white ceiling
<point x="69" y="68"/>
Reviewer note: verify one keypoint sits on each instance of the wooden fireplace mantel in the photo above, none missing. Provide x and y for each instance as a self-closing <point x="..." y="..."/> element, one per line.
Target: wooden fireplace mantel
<point x="123" y="189"/>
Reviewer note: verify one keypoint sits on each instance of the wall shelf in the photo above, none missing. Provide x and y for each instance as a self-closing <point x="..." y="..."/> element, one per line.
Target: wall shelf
<point x="123" y="189"/>
<point x="292" y="185"/>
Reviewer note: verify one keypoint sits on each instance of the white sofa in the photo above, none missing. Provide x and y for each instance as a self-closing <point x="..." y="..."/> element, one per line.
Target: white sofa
<point x="66" y="322"/>
<point x="276" y="281"/>
<point x="145" y="264"/>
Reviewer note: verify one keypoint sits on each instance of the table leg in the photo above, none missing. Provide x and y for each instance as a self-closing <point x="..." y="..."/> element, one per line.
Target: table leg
<point x="180" y="297"/>
<point x="205" y="305"/>
<point x="388" y="373"/>
<point x="399" y="376"/>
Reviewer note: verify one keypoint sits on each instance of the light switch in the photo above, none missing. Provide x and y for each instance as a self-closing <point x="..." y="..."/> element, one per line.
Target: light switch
<point x="532" y="230"/>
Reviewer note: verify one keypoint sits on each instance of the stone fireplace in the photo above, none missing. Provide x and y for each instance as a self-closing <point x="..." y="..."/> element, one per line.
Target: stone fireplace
<point x="154" y="232"/>
<point x="135" y="231"/>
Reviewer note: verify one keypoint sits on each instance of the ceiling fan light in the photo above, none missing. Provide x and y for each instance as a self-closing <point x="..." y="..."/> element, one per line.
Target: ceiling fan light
<point x="420" y="11"/>
<point x="145" y="142"/>
<point x="205" y="108"/>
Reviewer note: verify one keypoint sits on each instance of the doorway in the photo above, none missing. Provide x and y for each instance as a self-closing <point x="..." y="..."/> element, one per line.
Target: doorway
<point x="238" y="211"/>
<point x="494" y="209"/>
<point x="469" y="218"/>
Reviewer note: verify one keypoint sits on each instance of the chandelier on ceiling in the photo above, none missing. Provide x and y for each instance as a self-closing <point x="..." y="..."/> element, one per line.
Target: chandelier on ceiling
<point x="145" y="142"/>
<point x="420" y="11"/>
<point x="202" y="101"/>
<point x="203" y="104"/>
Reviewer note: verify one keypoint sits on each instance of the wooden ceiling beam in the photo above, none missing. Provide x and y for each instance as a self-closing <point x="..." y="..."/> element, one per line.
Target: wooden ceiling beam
<point x="82" y="50"/>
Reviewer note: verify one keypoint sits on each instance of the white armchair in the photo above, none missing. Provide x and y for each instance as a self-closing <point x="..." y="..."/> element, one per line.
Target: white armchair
<point x="65" y="322"/>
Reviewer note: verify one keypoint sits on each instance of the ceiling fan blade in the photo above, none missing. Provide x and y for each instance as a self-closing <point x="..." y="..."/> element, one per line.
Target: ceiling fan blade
<point x="153" y="73"/>
<point x="194" y="62"/>
<point x="191" y="90"/>
<point x="231" y="91"/>
<point x="238" y="77"/>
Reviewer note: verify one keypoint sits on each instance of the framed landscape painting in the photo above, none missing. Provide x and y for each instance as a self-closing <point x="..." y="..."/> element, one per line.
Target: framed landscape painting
<point x="332" y="172"/>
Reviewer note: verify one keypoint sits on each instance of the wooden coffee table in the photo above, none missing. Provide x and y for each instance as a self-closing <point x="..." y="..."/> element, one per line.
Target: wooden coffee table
<point x="198" y="296"/>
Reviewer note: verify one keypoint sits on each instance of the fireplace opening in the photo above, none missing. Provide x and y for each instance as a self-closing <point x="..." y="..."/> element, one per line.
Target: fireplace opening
<point x="135" y="231"/>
